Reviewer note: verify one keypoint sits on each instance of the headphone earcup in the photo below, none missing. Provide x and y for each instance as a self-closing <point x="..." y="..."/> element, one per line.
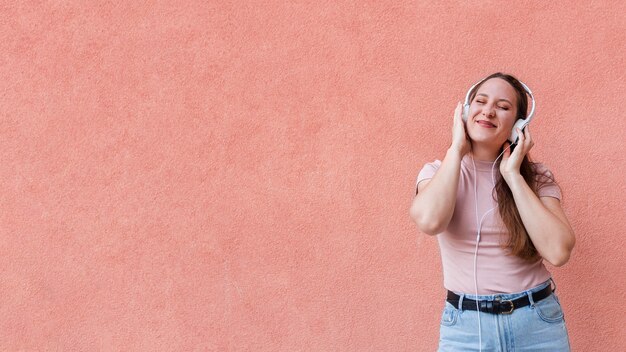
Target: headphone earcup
<point x="465" y="111"/>
<point x="521" y="123"/>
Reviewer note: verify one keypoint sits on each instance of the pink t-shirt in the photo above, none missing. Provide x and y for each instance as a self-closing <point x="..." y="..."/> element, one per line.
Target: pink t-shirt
<point x="497" y="271"/>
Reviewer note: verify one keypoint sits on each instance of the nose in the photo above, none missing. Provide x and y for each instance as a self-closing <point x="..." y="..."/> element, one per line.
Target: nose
<point x="488" y="110"/>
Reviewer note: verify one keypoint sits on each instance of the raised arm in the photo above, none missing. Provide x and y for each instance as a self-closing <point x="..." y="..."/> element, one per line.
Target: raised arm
<point x="433" y="206"/>
<point x="543" y="217"/>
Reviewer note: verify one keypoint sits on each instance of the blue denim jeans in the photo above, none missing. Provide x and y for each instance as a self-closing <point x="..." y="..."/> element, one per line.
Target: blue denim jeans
<point x="539" y="326"/>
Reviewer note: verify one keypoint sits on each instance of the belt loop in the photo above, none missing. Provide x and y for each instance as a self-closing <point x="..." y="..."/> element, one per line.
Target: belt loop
<point x="530" y="298"/>
<point x="554" y="289"/>
<point x="461" y="301"/>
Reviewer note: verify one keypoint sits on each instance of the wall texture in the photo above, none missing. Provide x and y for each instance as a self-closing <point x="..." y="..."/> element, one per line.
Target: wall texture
<point x="236" y="176"/>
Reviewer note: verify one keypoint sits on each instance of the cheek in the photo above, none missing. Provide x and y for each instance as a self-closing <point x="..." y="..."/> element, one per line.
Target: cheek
<point x="474" y="109"/>
<point x="508" y="124"/>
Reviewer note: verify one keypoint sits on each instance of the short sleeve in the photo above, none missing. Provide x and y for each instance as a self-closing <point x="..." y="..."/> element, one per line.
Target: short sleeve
<point x="546" y="183"/>
<point x="427" y="172"/>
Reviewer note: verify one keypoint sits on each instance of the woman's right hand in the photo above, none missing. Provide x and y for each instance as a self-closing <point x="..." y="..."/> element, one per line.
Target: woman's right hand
<point x="460" y="138"/>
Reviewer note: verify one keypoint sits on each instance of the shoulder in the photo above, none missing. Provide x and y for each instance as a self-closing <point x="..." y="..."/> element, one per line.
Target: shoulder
<point x="430" y="167"/>
<point x="545" y="181"/>
<point x="435" y="163"/>
<point x="542" y="172"/>
<point x="428" y="171"/>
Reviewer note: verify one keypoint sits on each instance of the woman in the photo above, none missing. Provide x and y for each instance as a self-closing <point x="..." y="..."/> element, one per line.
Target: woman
<point x="495" y="229"/>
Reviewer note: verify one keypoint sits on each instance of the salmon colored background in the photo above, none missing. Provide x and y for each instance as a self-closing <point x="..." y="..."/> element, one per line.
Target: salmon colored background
<point x="237" y="176"/>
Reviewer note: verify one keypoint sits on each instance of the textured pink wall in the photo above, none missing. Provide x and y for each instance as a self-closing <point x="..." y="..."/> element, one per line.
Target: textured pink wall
<point x="237" y="176"/>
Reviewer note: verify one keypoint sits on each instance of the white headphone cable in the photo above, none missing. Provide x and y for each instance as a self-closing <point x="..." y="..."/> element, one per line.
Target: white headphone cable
<point x="480" y="344"/>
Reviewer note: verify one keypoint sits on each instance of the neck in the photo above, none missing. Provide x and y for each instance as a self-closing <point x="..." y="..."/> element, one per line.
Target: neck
<point x="484" y="153"/>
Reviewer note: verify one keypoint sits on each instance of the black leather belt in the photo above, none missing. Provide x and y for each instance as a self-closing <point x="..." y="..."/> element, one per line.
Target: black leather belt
<point x="498" y="306"/>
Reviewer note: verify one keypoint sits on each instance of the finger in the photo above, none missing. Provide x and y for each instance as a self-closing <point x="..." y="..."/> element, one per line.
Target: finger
<point x="522" y="137"/>
<point x="528" y="138"/>
<point x="525" y="142"/>
<point x="518" y="147"/>
<point x="526" y="134"/>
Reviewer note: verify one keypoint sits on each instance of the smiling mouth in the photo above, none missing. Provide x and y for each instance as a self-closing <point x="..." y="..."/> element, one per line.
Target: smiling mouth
<point x="486" y="124"/>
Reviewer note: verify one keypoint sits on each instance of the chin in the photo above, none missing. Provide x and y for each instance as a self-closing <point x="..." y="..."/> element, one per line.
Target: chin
<point x="486" y="141"/>
<point x="481" y="138"/>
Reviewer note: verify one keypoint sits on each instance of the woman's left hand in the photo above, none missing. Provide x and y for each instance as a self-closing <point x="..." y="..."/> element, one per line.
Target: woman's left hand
<point x="510" y="164"/>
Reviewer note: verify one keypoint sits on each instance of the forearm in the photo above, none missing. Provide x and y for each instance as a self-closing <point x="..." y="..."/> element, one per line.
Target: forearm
<point x="433" y="206"/>
<point x="551" y="237"/>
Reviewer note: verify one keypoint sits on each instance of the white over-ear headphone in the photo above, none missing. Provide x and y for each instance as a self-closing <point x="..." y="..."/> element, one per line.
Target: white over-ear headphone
<point x="521" y="123"/>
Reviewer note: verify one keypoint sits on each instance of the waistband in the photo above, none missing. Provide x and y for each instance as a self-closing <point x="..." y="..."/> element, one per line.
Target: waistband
<point x="508" y="296"/>
<point x="498" y="306"/>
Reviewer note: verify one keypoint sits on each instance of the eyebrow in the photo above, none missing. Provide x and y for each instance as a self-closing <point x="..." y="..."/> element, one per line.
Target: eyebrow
<point x="498" y="99"/>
